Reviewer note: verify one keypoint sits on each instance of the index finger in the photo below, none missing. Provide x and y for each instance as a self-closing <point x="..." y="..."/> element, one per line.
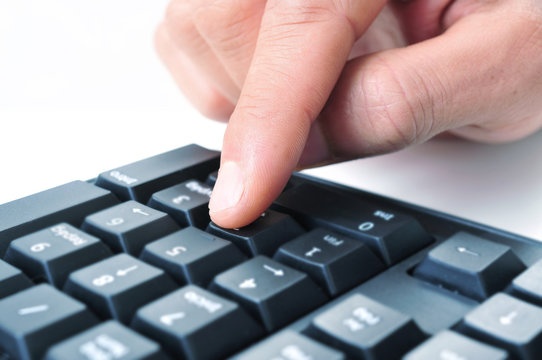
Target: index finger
<point x="302" y="47"/>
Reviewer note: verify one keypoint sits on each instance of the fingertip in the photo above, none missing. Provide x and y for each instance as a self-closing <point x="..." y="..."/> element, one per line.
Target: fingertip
<point x="228" y="190"/>
<point x="227" y="208"/>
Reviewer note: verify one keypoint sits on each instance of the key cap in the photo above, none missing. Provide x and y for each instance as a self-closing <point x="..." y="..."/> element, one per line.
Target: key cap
<point x="69" y="202"/>
<point x="116" y="287"/>
<point x="35" y="318"/>
<point x="508" y="323"/>
<point x="53" y="253"/>
<point x="471" y="265"/>
<point x="288" y="345"/>
<point x="528" y="284"/>
<point x="211" y="179"/>
<point x="187" y="203"/>
<point x="192" y="323"/>
<point x="192" y="256"/>
<point x="389" y="234"/>
<point x="139" y="180"/>
<point x="449" y="345"/>
<point x="129" y="226"/>
<point x="12" y="280"/>
<point x="366" y="329"/>
<point x="107" y="341"/>
<point x="273" y="293"/>
<point x="333" y="261"/>
<point x="263" y="236"/>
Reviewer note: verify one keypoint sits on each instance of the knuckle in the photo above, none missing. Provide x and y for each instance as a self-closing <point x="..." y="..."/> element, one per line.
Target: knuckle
<point x="229" y="24"/>
<point x="302" y="12"/>
<point x="393" y="114"/>
<point x="502" y="130"/>
<point x="178" y="22"/>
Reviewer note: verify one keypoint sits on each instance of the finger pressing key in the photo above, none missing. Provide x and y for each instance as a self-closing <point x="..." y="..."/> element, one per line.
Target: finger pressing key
<point x="301" y="50"/>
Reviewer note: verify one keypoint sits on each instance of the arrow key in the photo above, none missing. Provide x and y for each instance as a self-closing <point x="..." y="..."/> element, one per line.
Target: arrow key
<point x="272" y="292"/>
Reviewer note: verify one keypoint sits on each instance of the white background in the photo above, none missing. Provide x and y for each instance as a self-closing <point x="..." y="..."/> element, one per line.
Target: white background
<point x="82" y="91"/>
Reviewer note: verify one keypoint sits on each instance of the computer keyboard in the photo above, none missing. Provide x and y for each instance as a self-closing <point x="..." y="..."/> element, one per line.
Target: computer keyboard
<point x="129" y="266"/>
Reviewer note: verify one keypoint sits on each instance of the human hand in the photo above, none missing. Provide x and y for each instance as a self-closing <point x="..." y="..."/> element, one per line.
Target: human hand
<point x="308" y="81"/>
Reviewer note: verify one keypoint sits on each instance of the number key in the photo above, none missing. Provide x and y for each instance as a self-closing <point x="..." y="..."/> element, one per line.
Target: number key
<point x="272" y="292"/>
<point x="187" y="203"/>
<point x="391" y="235"/>
<point x="107" y="341"/>
<point x="53" y="253"/>
<point x="289" y="345"/>
<point x="12" y="280"/>
<point x="35" y="318"/>
<point x="506" y="322"/>
<point x="192" y="256"/>
<point x="449" y="345"/>
<point x="116" y="287"/>
<point x="366" y="329"/>
<point x="334" y="261"/>
<point x="263" y="236"/>
<point x="128" y="227"/>
<point x="194" y="324"/>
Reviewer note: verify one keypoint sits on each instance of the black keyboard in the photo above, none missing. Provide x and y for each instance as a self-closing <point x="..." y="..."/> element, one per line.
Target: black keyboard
<point x="129" y="266"/>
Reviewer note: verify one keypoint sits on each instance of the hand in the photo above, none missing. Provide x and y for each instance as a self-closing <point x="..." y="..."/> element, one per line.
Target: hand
<point x="305" y="82"/>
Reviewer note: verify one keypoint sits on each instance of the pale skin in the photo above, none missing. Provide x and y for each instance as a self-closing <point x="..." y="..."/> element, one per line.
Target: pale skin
<point x="306" y="82"/>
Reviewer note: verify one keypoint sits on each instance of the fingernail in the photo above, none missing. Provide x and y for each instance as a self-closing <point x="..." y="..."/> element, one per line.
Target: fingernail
<point x="228" y="189"/>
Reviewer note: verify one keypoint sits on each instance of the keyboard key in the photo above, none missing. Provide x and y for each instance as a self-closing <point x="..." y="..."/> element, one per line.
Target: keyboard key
<point x="187" y="203"/>
<point x="333" y="261"/>
<point x="508" y="323"/>
<point x="53" y="253"/>
<point x="192" y="323"/>
<point x="449" y="345"/>
<point x="273" y="293"/>
<point x="288" y="345"/>
<point x="12" y="280"/>
<point x="38" y="317"/>
<point x="366" y="329"/>
<point x="107" y="341"/>
<point x="390" y="234"/>
<point x="70" y="203"/>
<point x="528" y="284"/>
<point x="192" y="256"/>
<point x="129" y="226"/>
<point x="211" y="179"/>
<point x="263" y="236"/>
<point x="116" y="287"/>
<point x="471" y="265"/>
<point x="139" y="180"/>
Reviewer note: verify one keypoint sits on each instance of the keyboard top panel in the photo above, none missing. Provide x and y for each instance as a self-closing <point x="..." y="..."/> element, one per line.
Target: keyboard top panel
<point x="338" y="271"/>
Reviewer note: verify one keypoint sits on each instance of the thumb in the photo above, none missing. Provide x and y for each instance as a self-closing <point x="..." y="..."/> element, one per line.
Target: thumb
<point x="476" y="79"/>
<point x="301" y="49"/>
